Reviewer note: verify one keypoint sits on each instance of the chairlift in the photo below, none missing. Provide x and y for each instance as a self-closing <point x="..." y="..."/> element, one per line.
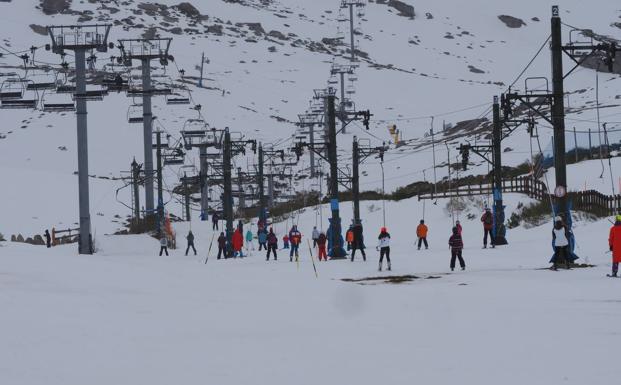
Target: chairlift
<point x="177" y="99"/>
<point x="115" y="82"/>
<point x="12" y="88"/>
<point x="91" y="94"/>
<point x="51" y="102"/>
<point x="42" y="82"/>
<point x="27" y="98"/>
<point x="135" y="114"/>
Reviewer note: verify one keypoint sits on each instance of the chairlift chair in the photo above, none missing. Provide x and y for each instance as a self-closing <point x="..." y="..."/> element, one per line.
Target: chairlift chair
<point x="12" y="88"/>
<point x="42" y="82"/>
<point x="29" y="97"/>
<point x="177" y="99"/>
<point x="135" y="114"/>
<point x="51" y="102"/>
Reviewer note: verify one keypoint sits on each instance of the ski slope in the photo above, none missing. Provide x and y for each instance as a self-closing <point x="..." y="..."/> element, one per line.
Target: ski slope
<point x="127" y="316"/>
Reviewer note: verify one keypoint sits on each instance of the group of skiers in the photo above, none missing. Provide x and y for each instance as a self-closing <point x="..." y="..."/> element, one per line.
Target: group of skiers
<point x="354" y="237"/>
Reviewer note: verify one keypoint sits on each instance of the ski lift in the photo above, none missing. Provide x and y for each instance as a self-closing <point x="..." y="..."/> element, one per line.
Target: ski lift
<point x="42" y="82"/>
<point x="177" y="99"/>
<point x="353" y="78"/>
<point x="174" y="157"/>
<point x="135" y="114"/>
<point x="51" y="102"/>
<point x="350" y="90"/>
<point x="12" y="88"/>
<point x="92" y="94"/>
<point x="27" y="98"/>
<point x="115" y="82"/>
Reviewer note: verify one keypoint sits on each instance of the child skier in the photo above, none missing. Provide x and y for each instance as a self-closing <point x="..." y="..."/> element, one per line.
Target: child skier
<point x="285" y="241"/>
<point x="321" y="246"/>
<point x="262" y="238"/>
<point x="272" y="245"/>
<point x="315" y="236"/>
<point x="358" y="241"/>
<point x="614" y="241"/>
<point x="421" y="233"/>
<point x="295" y="237"/>
<point x="383" y="245"/>
<point x="456" y="245"/>
<point x="560" y="241"/>
<point x="238" y="243"/>
<point x="249" y="238"/>
<point x="190" y="239"/>
<point x="221" y="246"/>
<point x="163" y="245"/>
<point x="349" y="237"/>
<point x="488" y="224"/>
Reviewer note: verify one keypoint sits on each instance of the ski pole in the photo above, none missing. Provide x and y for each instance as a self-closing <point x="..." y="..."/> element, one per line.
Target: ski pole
<point x="209" y="250"/>
<point x="312" y="258"/>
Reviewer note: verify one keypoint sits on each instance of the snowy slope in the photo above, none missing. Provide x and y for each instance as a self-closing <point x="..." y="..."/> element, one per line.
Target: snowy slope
<point x="430" y="76"/>
<point x="127" y="316"/>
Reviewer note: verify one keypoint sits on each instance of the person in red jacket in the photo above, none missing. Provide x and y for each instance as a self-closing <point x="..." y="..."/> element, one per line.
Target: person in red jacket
<point x="614" y="241"/>
<point x="488" y="224"/>
<point x="321" y="246"/>
<point x="238" y="243"/>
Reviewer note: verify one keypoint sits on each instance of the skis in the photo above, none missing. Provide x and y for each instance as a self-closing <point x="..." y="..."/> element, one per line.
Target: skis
<point x="612" y="276"/>
<point x="312" y="258"/>
<point x="210" y="244"/>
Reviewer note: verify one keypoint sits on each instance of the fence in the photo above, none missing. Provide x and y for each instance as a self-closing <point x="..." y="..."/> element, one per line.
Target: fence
<point x="589" y="200"/>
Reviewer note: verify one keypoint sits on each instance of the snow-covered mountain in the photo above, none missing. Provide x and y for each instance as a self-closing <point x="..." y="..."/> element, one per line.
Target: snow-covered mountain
<point x="264" y="59"/>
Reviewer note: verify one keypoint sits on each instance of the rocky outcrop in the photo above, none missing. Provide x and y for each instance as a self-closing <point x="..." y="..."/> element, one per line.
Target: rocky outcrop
<point x="404" y="9"/>
<point x="52" y="7"/>
<point x="511" y="22"/>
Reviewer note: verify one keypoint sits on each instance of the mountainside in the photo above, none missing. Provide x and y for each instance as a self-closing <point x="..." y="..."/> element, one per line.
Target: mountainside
<point x="263" y="61"/>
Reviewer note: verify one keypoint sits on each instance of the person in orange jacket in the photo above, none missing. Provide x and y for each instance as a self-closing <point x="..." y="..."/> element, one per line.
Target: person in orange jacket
<point x="614" y="241"/>
<point x="421" y="233"/>
<point x="349" y="237"/>
<point x="238" y="243"/>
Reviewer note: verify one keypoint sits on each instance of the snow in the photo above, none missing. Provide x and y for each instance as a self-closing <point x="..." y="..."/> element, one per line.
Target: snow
<point x="126" y="315"/>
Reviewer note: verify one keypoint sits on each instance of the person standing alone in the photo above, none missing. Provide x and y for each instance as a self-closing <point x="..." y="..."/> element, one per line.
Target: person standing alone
<point x="421" y="233"/>
<point x="190" y="239"/>
<point x="315" y="236"/>
<point x="321" y="246"/>
<point x="457" y="245"/>
<point x="488" y="224"/>
<point x="222" y="246"/>
<point x="163" y="245"/>
<point x="383" y="245"/>
<point x="614" y="242"/>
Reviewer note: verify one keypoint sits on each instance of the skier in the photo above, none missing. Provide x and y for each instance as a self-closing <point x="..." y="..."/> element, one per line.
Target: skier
<point x="163" y="245"/>
<point x="456" y="244"/>
<point x="614" y="241"/>
<point x="358" y="242"/>
<point x="421" y="233"/>
<point x="560" y="241"/>
<point x="321" y="246"/>
<point x="190" y="239"/>
<point x="315" y="236"/>
<point x="272" y="245"/>
<point x="48" y="238"/>
<point x="488" y="224"/>
<point x="249" y="238"/>
<point x="240" y="226"/>
<point x="459" y="228"/>
<point x="262" y="238"/>
<point x="238" y="243"/>
<point x="214" y="221"/>
<point x="383" y="245"/>
<point x="295" y="237"/>
<point x="285" y="241"/>
<point x="221" y="245"/>
<point x="349" y="237"/>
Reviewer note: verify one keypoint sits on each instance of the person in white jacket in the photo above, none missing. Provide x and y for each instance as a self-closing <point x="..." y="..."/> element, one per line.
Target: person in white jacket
<point x="315" y="236"/>
<point x="383" y="245"/>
